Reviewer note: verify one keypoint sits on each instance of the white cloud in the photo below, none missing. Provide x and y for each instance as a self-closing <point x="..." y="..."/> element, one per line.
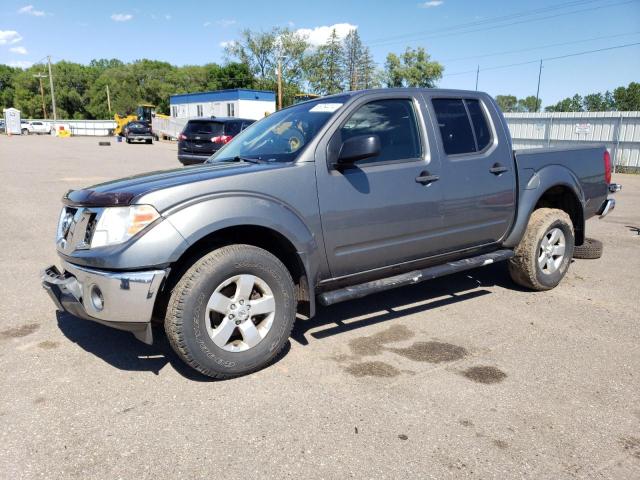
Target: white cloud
<point x="20" y="50"/>
<point x="30" y="10"/>
<point x="206" y="24"/>
<point x="121" y="17"/>
<point x="20" y="63"/>
<point x="167" y="16"/>
<point x="227" y="43"/>
<point x="319" y="35"/>
<point x="431" y="4"/>
<point x="226" y="22"/>
<point x="9" y="37"/>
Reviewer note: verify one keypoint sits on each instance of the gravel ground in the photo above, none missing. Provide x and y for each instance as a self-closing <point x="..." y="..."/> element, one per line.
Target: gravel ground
<point x="462" y="377"/>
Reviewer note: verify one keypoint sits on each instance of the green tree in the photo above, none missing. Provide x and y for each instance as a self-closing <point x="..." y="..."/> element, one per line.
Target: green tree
<point x="572" y="104"/>
<point x="412" y="69"/>
<point x="528" y="104"/>
<point x="7" y="76"/>
<point x="507" y="103"/>
<point x="368" y="75"/>
<point x="324" y="67"/>
<point x="627" y="99"/>
<point x="353" y="51"/>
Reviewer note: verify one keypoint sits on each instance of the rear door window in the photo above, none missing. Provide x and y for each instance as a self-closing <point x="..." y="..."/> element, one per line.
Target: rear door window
<point x="455" y="127"/>
<point x="480" y="125"/>
<point x="204" y="128"/>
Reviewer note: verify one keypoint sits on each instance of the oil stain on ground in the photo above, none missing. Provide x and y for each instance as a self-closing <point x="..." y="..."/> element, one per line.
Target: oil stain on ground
<point x="432" y="352"/>
<point x="48" y="345"/>
<point x="501" y="444"/>
<point x="374" y="344"/>
<point x="372" y="369"/>
<point x="21" y="331"/>
<point x="485" y="374"/>
<point x="631" y="445"/>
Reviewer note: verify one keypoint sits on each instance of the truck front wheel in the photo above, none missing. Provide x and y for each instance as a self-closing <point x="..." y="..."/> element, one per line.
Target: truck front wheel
<point x="232" y="312"/>
<point x="543" y="255"/>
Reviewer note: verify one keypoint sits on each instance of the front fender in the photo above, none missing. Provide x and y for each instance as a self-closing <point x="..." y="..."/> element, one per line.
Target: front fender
<point x="204" y="216"/>
<point x="541" y="181"/>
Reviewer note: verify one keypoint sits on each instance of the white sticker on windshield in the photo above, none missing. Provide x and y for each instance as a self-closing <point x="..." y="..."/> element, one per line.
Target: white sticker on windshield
<point x="326" y="107"/>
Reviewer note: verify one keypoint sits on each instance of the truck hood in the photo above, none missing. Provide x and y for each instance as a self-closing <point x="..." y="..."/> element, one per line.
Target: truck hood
<point x="125" y="191"/>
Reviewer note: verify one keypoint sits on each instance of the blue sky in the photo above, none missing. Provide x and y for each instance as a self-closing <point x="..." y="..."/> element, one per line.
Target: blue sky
<point x="190" y="32"/>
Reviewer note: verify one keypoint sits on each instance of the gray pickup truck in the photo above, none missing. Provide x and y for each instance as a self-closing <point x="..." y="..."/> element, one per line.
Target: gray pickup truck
<point x="325" y="201"/>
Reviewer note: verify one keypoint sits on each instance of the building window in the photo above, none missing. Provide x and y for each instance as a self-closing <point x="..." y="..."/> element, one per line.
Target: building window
<point x="174" y="111"/>
<point x="231" y="110"/>
<point x="199" y="110"/>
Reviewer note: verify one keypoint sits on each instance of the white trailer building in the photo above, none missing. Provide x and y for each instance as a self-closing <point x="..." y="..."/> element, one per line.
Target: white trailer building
<point x="237" y="102"/>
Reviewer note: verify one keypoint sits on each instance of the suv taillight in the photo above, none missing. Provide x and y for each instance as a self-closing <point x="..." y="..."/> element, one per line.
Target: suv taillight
<point x="222" y="139"/>
<point x="607" y="167"/>
<point x="182" y="136"/>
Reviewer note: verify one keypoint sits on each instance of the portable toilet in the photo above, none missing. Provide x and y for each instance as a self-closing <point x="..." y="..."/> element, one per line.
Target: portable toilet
<point x="12" y="121"/>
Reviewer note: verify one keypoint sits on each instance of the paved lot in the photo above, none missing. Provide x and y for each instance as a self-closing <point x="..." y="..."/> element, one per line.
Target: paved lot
<point x="465" y="377"/>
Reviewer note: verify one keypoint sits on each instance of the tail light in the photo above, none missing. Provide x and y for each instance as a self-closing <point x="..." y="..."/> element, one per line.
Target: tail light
<point x="182" y="136"/>
<point x="222" y="139"/>
<point x="607" y="167"/>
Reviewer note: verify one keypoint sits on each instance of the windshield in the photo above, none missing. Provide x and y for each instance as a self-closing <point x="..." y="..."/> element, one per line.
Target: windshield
<point x="281" y="136"/>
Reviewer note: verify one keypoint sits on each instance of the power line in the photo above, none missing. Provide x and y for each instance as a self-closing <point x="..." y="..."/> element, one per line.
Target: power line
<point x="433" y="34"/>
<point x="544" y="59"/>
<point x="540" y="47"/>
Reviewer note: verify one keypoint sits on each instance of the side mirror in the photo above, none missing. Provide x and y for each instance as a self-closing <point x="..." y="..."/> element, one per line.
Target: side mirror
<point x="358" y="148"/>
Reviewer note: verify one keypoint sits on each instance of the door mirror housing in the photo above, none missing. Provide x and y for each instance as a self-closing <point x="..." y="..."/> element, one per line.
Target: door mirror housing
<point x="358" y="148"/>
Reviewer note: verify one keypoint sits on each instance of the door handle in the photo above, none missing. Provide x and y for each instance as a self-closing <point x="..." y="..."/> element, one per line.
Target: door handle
<point x="497" y="169"/>
<point x="425" y="178"/>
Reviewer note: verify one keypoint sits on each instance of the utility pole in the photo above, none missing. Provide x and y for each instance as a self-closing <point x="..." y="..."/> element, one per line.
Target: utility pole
<point x="53" y="95"/>
<point x="108" y="100"/>
<point x="40" y="76"/>
<point x="477" y="75"/>
<point x="538" y="90"/>
<point x="279" y="83"/>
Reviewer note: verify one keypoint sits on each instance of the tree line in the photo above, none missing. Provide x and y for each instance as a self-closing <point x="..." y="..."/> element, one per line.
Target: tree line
<point x="622" y="99"/>
<point x="252" y="61"/>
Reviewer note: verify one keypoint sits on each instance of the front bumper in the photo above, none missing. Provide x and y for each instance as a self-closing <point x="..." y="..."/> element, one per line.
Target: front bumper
<point x="122" y="300"/>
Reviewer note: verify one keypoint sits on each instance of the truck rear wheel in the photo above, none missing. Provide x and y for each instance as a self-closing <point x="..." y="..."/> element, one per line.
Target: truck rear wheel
<point x="232" y="312"/>
<point x="543" y="255"/>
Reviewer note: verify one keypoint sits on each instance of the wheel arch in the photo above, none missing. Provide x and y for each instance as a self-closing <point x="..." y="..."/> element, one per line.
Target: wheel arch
<point x="551" y="187"/>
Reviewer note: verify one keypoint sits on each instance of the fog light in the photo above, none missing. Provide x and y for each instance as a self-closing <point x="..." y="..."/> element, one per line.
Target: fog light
<point x="97" y="300"/>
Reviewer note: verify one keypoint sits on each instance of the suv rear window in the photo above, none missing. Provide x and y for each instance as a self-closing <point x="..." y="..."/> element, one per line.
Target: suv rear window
<point x="204" y="127"/>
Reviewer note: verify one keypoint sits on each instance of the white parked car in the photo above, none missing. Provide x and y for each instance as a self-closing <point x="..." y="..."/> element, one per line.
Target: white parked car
<point x="35" y="127"/>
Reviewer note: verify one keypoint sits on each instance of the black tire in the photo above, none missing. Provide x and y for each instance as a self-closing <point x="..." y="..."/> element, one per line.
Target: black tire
<point x="128" y="141"/>
<point x="149" y="142"/>
<point x="524" y="267"/>
<point x="25" y="131"/>
<point x="590" y="249"/>
<point x="186" y="313"/>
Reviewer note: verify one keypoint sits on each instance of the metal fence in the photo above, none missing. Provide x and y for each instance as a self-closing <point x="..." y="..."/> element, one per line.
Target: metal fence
<point x="619" y="131"/>
<point x="168" y="128"/>
<point x="92" y="128"/>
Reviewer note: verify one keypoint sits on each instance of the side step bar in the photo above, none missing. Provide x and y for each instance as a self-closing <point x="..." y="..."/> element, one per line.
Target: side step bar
<point x="416" y="276"/>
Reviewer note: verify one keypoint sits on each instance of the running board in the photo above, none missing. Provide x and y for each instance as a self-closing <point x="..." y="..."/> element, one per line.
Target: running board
<point x="416" y="276"/>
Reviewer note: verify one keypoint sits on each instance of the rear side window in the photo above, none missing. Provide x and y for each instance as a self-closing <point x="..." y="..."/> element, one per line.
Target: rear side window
<point x="204" y="128"/>
<point x="394" y="122"/>
<point x="480" y="125"/>
<point x="454" y="124"/>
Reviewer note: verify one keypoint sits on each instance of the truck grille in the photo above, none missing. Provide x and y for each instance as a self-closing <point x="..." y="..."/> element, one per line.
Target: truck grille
<point x="76" y="228"/>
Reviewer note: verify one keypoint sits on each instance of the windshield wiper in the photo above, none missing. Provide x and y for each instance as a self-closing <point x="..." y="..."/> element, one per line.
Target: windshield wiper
<point x="239" y="158"/>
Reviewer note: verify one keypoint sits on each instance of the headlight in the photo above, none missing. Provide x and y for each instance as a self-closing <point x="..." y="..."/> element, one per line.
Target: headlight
<point x="119" y="224"/>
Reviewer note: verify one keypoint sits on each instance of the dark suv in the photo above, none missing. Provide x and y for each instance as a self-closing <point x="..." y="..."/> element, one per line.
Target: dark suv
<point x="202" y="137"/>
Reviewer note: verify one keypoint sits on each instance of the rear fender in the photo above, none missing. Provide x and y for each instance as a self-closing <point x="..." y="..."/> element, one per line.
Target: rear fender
<point x="541" y="181"/>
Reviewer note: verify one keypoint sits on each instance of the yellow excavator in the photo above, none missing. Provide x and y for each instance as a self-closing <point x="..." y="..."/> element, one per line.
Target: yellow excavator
<point x="144" y="112"/>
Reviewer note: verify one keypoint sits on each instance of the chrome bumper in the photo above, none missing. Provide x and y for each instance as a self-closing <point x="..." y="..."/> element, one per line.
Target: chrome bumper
<point x="608" y="205"/>
<point x="122" y="300"/>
